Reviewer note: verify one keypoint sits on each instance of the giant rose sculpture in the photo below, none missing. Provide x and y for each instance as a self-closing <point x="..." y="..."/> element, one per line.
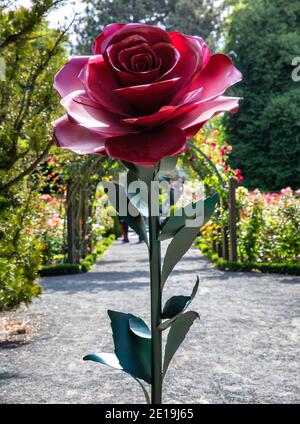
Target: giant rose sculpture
<point x="141" y="93"/>
<point x="138" y="98"/>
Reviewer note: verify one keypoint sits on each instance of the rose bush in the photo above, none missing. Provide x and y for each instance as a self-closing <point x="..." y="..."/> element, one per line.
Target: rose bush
<point x="141" y="93"/>
<point x="268" y="227"/>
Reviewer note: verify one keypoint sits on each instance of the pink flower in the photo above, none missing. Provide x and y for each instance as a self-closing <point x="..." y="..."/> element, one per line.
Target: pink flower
<point x="46" y="197"/>
<point x="286" y="191"/>
<point x="239" y="176"/>
<point x="51" y="159"/>
<point x="141" y="93"/>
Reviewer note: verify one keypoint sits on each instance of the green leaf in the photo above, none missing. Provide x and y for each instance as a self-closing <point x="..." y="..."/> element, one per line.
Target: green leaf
<point x="136" y="222"/>
<point x="177" y="333"/>
<point x="183" y="240"/>
<point x="144" y="174"/>
<point x="112" y="361"/>
<point x="132" y="349"/>
<point x="109" y="359"/>
<point x="139" y="200"/>
<point x="147" y="397"/>
<point x="166" y="167"/>
<point x="174" y="306"/>
<point x="139" y="328"/>
<point x="172" y="224"/>
<point x="177" y="304"/>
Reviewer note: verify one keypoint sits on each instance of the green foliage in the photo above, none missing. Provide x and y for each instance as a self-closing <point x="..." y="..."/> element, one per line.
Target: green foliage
<point x="268" y="228"/>
<point x="20" y="257"/>
<point x="32" y="53"/>
<point x="195" y="17"/>
<point x="115" y="229"/>
<point x="20" y="252"/>
<point x="85" y="265"/>
<point x="28" y="101"/>
<point x="263" y="38"/>
<point x="102" y="245"/>
<point x="207" y="158"/>
<point x="289" y="268"/>
<point x="249" y="240"/>
<point x="17" y="280"/>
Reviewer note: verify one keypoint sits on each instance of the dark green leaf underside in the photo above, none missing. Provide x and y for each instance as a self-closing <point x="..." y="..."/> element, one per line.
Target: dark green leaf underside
<point x="136" y="222"/>
<point x="132" y="350"/>
<point x="139" y="198"/>
<point x="166" y="167"/>
<point x="112" y="361"/>
<point x="183" y="240"/>
<point x="177" y="304"/>
<point x="172" y="224"/>
<point x="177" y="333"/>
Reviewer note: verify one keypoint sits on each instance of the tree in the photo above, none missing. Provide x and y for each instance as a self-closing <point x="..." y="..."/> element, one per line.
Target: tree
<point x="263" y="38"/>
<point x="32" y="53"/>
<point x="195" y="17"/>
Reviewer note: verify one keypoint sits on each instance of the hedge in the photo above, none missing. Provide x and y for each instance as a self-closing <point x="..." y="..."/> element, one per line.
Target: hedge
<point x="271" y="268"/>
<point x="60" y="269"/>
<point x="85" y="265"/>
<point x="289" y="268"/>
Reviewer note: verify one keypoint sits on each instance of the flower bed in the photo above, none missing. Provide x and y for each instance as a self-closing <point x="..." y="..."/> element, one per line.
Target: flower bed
<point x="268" y="232"/>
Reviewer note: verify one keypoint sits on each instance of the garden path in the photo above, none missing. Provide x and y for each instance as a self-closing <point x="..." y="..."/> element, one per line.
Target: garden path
<point x="245" y="349"/>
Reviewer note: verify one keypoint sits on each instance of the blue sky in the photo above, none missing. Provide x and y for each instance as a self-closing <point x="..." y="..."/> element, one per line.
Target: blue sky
<point x="65" y="12"/>
<point x="62" y="15"/>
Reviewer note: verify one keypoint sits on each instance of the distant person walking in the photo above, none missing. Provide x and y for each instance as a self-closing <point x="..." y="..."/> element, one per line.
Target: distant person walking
<point x="124" y="229"/>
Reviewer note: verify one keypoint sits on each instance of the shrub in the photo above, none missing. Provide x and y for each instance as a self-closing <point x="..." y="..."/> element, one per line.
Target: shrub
<point x="85" y="265"/>
<point x="33" y="53"/>
<point x="268" y="227"/>
<point x="18" y="274"/>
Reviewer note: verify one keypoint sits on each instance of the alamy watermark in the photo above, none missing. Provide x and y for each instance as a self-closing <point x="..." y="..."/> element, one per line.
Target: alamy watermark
<point x="296" y="71"/>
<point x="2" y="69"/>
<point x="176" y="198"/>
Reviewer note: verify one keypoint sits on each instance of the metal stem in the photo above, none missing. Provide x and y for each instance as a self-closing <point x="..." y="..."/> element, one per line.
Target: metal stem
<point x="155" y="281"/>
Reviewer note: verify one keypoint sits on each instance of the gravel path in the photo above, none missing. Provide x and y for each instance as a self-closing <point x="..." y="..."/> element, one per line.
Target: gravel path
<point x="245" y="349"/>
